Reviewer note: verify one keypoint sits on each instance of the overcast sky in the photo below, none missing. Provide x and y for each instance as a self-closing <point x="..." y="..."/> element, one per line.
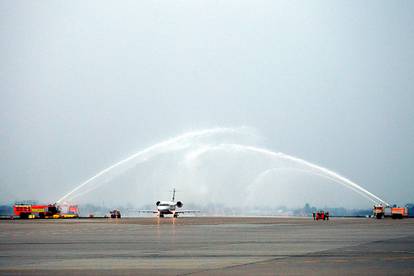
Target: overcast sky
<point x="86" y="83"/>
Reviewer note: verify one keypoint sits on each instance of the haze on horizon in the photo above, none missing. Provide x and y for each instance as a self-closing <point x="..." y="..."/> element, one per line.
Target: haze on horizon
<point x="86" y="84"/>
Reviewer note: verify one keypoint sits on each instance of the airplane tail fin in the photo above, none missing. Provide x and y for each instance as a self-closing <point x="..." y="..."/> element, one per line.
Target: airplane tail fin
<point x="173" y="197"/>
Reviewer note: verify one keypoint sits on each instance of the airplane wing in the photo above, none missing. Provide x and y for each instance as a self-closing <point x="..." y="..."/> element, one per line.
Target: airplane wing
<point x="147" y="211"/>
<point x="143" y="211"/>
<point x="187" y="211"/>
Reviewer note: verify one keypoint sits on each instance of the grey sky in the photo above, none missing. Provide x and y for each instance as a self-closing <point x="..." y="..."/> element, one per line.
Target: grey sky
<point x="86" y="83"/>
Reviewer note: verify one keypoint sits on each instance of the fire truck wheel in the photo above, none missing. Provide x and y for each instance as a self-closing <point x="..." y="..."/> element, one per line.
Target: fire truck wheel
<point x="24" y="215"/>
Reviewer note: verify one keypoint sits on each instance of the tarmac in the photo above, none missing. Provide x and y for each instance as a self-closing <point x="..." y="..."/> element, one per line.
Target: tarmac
<point x="207" y="246"/>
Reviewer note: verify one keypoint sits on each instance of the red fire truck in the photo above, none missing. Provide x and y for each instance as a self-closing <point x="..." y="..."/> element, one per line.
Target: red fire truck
<point x="25" y="211"/>
<point x="394" y="212"/>
<point x="68" y="211"/>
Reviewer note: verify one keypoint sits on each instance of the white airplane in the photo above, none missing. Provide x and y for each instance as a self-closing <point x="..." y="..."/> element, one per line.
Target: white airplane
<point x="170" y="208"/>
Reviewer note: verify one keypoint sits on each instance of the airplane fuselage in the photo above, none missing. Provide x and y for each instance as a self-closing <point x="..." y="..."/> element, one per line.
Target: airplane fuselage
<point x="167" y="208"/>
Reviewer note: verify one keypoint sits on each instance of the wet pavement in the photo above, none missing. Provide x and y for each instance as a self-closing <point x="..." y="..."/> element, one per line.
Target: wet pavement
<point x="207" y="246"/>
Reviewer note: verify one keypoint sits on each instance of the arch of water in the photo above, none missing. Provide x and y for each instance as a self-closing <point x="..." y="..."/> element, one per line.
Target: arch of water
<point x="199" y="143"/>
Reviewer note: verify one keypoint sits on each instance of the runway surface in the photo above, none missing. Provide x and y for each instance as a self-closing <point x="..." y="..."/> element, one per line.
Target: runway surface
<point x="207" y="246"/>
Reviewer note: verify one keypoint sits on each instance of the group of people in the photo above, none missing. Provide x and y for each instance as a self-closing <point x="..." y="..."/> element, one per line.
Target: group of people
<point x="320" y="215"/>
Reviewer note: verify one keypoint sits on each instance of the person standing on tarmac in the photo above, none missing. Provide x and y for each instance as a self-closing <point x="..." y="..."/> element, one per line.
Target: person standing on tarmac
<point x="313" y="214"/>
